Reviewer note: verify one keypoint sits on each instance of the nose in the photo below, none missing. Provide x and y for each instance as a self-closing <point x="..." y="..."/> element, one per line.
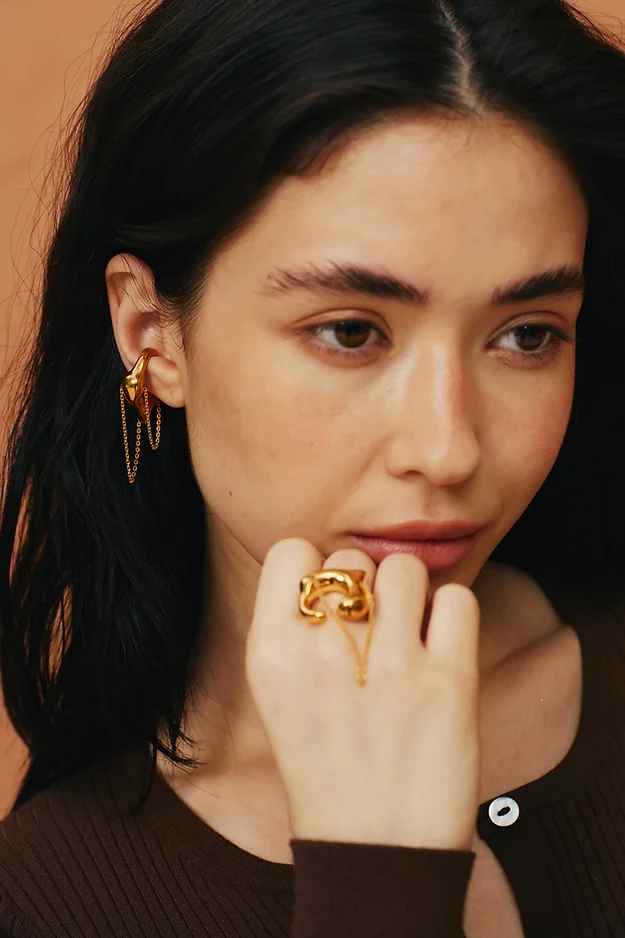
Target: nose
<point x="435" y="427"/>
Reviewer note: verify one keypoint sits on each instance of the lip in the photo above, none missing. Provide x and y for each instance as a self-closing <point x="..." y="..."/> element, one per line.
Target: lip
<point x="423" y="531"/>
<point x="439" y="545"/>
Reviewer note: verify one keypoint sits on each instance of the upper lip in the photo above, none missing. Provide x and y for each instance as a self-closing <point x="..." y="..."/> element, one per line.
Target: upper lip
<point x="423" y="531"/>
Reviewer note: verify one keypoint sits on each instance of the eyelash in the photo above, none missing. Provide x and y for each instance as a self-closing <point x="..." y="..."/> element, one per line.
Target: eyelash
<point x="558" y="339"/>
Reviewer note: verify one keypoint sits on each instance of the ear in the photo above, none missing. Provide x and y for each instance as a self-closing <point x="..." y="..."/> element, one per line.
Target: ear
<point x="138" y="324"/>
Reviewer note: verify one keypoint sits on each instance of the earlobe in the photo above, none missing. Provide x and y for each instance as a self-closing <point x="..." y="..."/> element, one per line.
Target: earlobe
<point x="138" y="324"/>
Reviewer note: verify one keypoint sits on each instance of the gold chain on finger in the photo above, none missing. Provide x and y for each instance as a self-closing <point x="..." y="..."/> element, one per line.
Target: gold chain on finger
<point x="361" y="659"/>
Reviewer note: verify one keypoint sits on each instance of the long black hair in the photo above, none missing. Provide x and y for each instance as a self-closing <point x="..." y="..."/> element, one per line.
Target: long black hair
<point x="202" y="107"/>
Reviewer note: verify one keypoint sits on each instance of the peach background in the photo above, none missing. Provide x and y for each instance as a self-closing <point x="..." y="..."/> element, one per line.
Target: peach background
<point x="48" y="51"/>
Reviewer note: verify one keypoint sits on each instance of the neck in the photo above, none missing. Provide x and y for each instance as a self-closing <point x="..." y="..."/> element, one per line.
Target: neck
<point x="222" y="718"/>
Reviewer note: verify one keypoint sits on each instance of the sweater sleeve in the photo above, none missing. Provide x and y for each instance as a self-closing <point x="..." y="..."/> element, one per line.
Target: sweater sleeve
<point x="373" y="891"/>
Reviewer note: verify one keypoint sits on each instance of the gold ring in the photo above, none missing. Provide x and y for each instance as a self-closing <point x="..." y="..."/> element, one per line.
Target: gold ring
<point x="356" y="606"/>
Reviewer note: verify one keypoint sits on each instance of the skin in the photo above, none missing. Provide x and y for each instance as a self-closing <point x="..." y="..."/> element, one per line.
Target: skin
<point x="444" y="418"/>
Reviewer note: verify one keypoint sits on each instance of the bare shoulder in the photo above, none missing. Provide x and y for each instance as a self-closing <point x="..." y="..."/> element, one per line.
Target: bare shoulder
<point x="515" y="614"/>
<point x="531" y="679"/>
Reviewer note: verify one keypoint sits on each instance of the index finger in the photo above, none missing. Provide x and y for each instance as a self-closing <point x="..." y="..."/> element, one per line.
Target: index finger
<point x="277" y="596"/>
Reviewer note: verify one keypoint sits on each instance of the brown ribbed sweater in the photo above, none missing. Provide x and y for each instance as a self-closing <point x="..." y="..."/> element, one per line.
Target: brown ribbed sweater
<point x="74" y="863"/>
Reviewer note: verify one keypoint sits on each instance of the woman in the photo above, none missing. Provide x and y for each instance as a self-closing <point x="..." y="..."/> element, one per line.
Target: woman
<point x="329" y="261"/>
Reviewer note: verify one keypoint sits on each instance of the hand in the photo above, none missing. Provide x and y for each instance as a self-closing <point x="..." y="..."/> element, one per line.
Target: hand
<point x="395" y="761"/>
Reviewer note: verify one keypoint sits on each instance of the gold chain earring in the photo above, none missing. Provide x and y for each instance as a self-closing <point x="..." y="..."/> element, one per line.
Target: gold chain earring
<point x="132" y="391"/>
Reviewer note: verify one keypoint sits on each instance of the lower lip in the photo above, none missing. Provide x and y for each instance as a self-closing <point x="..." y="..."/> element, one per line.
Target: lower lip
<point x="436" y="555"/>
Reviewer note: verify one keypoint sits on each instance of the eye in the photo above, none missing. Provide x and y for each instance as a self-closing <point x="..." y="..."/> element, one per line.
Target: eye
<point x="346" y="336"/>
<point x="532" y="339"/>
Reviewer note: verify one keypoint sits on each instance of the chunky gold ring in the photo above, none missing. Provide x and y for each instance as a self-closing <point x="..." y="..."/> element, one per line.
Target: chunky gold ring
<point x="356" y="606"/>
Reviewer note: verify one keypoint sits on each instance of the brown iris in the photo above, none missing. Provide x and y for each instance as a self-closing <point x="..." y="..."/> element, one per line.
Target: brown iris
<point x="352" y="333"/>
<point x="531" y="338"/>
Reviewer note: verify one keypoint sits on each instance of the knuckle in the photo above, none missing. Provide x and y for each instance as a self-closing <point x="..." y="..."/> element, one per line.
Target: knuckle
<point x="330" y="656"/>
<point x="266" y="659"/>
<point x="389" y="665"/>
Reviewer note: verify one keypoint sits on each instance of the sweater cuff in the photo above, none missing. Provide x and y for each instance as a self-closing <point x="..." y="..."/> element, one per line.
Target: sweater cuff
<point x="373" y="891"/>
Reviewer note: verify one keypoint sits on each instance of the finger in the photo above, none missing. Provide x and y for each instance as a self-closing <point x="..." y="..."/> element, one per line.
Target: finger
<point x="329" y="644"/>
<point x="277" y="597"/>
<point x="401" y="593"/>
<point x="454" y="628"/>
<point x="352" y="559"/>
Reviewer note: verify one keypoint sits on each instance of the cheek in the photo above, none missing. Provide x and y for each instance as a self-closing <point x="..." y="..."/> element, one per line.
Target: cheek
<point x="529" y="440"/>
<point x="267" y="449"/>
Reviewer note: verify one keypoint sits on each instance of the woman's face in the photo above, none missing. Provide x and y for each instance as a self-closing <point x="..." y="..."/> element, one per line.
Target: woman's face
<point x="391" y="340"/>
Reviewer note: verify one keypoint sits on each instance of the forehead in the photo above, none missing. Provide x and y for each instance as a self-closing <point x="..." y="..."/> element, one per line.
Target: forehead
<point x="459" y="205"/>
<point x="442" y="169"/>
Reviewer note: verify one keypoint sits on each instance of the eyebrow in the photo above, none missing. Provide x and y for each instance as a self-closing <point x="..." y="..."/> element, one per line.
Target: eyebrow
<point x="334" y="277"/>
